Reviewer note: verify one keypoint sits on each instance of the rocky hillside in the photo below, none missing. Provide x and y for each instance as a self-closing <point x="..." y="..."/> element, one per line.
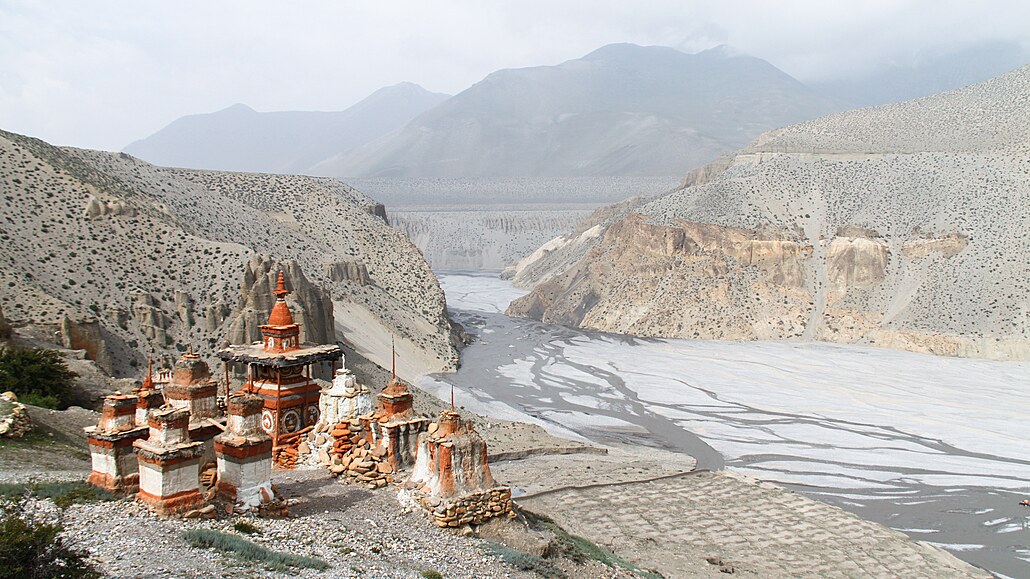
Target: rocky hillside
<point x="124" y="259"/>
<point x="902" y="225"/>
<point x="620" y="110"/>
<point x="241" y="139"/>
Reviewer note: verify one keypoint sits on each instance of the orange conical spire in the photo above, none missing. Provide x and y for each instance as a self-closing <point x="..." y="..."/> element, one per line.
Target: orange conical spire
<point x="281" y="315"/>
<point x="280" y="287"/>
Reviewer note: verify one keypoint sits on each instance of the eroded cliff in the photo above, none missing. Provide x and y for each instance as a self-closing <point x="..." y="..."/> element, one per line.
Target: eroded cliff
<point x="901" y="226"/>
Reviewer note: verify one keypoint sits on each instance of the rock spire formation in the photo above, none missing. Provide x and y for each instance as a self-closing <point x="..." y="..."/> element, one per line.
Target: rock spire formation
<point x="900" y="226"/>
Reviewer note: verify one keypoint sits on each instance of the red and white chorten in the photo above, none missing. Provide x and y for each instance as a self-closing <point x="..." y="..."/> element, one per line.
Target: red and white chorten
<point x="279" y="371"/>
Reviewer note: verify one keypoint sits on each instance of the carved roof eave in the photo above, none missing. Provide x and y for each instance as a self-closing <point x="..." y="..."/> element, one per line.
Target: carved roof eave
<point x="255" y="354"/>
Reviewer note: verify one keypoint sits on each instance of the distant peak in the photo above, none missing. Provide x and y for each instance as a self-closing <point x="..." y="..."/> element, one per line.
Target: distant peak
<point x="722" y="51"/>
<point x="627" y="49"/>
<point x="238" y="108"/>
<point x="403" y="88"/>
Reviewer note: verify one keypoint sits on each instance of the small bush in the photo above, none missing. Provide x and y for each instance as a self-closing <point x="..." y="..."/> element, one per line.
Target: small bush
<point x="244" y="549"/>
<point x="38" y="376"/>
<point x="64" y="494"/>
<point x="30" y="549"/>
<point x="430" y="574"/>
<point x="246" y="528"/>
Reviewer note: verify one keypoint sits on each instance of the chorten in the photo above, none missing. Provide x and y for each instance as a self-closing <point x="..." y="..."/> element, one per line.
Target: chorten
<point x="279" y="371"/>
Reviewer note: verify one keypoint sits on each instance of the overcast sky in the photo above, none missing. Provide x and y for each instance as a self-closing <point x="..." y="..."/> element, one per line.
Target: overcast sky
<point x="101" y="74"/>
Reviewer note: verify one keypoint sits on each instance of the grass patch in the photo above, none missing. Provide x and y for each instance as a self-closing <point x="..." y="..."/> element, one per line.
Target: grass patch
<point x="246" y="528"/>
<point x="63" y="493"/>
<point x="524" y="561"/>
<point x="244" y="549"/>
<point x="430" y="574"/>
<point x="579" y="549"/>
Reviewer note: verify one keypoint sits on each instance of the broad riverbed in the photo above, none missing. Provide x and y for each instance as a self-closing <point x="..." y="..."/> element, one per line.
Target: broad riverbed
<point x="938" y="448"/>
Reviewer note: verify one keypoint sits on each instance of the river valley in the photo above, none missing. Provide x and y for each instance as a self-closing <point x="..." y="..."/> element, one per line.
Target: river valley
<point x="938" y="448"/>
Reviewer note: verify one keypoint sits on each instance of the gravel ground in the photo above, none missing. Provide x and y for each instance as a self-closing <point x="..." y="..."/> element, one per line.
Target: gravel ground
<point x="360" y="533"/>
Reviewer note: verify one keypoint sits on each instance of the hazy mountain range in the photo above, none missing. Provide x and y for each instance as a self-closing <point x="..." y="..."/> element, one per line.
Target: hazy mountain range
<point x="241" y="139"/>
<point x="622" y="110"/>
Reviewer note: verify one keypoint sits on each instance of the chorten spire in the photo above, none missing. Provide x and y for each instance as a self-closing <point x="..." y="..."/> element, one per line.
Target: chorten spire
<point x="280" y="287"/>
<point x="281" y="315"/>
<point x="393" y="363"/>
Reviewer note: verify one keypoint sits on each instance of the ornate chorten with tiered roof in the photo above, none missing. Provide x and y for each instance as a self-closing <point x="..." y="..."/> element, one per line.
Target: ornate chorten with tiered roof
<point x="279" y="371"/>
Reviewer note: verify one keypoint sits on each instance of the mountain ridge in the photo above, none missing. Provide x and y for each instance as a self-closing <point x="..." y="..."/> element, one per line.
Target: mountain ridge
<point x="621" y="110"/>
<point x="238" y="138"/>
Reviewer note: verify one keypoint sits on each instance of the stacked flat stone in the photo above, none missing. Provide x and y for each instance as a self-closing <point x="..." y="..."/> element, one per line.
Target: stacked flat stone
<point x="343" y="401"/>
<point x="14" y="419"/>
<point x="355" y="458"/>
<point x="472" y="509"/>
<point x="451" y="479"/>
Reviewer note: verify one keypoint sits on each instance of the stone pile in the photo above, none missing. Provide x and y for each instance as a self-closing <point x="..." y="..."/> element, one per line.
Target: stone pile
<point x="354" y="456"/>
<point x="341" y="403"/>
<point x="451" y="479"/>
<point x="14" y="419"/>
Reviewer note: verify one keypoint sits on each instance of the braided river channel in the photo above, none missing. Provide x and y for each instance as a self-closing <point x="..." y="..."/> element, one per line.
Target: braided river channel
<point x="935" y="447"/>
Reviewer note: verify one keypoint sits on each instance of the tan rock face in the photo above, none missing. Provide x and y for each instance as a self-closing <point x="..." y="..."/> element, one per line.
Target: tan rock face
<point x="311" y="305"/>
<point x="948" y="245"/>
<point x="691" y="279"/>
<point x="859" y="261"/>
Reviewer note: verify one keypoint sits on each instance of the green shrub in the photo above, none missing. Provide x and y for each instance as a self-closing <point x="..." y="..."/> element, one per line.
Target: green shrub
<point x="246" y="528"/>
<point x="430" y="574"/>
<point x="64" y="494"/>
<point x="37" y="376"/>
<point x="36" y="550"/>
<point x="244" y="549"/>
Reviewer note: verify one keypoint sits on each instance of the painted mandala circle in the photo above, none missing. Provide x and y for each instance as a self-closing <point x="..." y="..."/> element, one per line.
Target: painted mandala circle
<point x="291" y="420"/>
<point x="312" y="414"/>
<point x="267" y="420"/>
